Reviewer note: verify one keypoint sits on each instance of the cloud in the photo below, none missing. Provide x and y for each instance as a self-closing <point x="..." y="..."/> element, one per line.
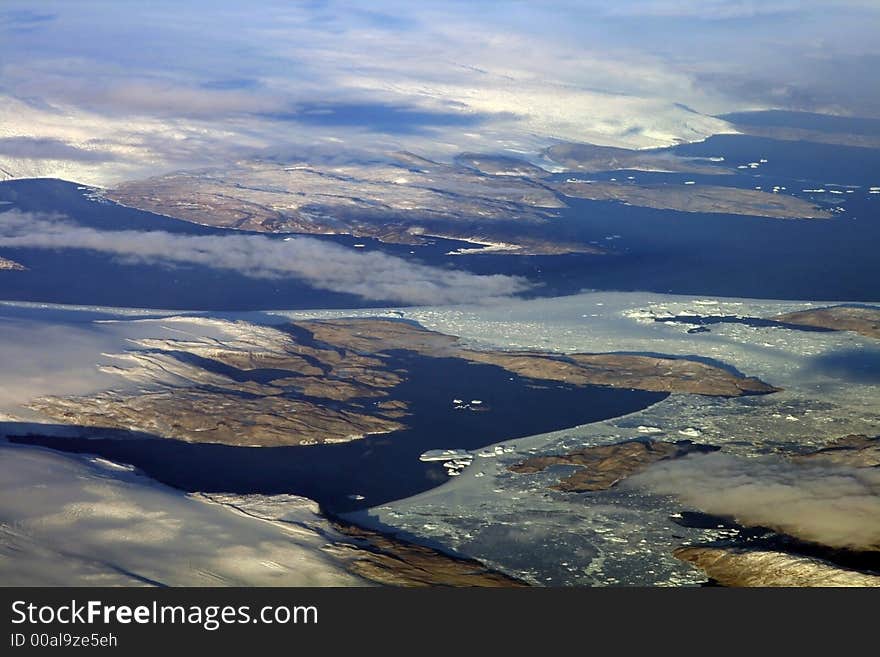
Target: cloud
<point x="371" y="275"/>
<point x="435" y="81"/>
<point x="439" y="79"/>
<point x="49" y="149"/>
<point x="819" y="82"/>
<point x="164" y="98"/>
<point x="833" y="505"/>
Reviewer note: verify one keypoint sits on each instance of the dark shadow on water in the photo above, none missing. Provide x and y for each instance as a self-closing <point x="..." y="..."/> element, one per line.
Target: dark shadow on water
<point x="754" y="322"/>
<point x="857" y="365"/>
<point x="390" y="118"/>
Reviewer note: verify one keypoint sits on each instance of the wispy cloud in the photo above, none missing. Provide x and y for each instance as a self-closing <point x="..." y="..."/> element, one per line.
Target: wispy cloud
<point x="49" y="149"/>
<point x="432" y="77"/>
<point x="371" y="275"/>
<point x="832" y="505"/>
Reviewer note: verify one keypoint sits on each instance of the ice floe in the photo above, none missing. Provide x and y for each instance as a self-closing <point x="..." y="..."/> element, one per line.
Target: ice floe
<point x="444" y="454"/>
<point x="650" y="430"/>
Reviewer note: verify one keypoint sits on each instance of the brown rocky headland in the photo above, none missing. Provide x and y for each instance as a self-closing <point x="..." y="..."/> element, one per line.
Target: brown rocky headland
<point x="322" y="381"/>
<point x="603" y="466"/>
<point x="863" y="320"/>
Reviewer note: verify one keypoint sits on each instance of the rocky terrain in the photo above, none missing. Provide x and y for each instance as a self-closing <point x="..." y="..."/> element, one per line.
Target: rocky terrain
<point x="592" y="158"/>
<point x="390" y="561"/>
<point x="859" y="319"/>
<point x="494" y="201"/>
<point x="697" y="198"/>
<point x="653" y="373"/>
<point x="602" y="466"/>
<point x="322" y="381"/>
<point x="378" y="558"/>
<point x="263" y="387"/>
<point x="732" y="566"/>
<point x="403" y="199"/>
<point x="500" y="165"/>
<point x="858" y="451"/>
<point x="10" y="265"/>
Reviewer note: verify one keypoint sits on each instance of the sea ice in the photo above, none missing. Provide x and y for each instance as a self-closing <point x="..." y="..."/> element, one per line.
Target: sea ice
<point x="644" y="429"/>
<point x="443" y="454"/>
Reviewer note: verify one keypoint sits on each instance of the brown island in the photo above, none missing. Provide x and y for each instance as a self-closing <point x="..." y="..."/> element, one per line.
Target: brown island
<point x="864" y="320"/>
<point x="603" y="466"/>
<point x="697" y="198"/>
<point x="403" y="199"/>
<point x="323" y="381"/>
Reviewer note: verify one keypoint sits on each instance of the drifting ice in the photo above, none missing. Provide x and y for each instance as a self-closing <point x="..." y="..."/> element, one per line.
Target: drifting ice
<point x="444" y="454"/>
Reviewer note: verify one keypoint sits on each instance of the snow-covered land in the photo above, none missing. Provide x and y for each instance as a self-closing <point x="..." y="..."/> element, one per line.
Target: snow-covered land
<point x="78" y="521"/>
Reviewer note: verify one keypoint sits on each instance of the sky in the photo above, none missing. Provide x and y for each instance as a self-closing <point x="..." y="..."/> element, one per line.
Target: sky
<point x="101" y="91"/>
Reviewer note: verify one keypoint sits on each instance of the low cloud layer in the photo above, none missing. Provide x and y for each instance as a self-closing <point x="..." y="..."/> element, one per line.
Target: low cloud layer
<point x="835" y="506"/>
<point x="371" y="275"/>
<point x="49" y="149"/>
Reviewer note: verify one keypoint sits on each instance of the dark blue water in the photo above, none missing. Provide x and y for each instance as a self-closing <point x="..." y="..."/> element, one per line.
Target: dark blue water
<point x="385" y="467"/>
<point x="807" y="121"/>
<point x="799" y="160"/>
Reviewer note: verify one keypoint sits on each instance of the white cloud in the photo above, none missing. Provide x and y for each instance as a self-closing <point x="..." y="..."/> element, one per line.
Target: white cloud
<point x="833" y="505"/>
<point x="178" y="85"/>
<point x="371" y="275"/>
